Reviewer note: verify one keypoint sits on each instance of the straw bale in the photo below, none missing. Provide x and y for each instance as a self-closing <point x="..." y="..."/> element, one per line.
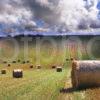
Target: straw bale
<point x="85" y="74"/>
<point x="59" y="69"/>
<point x="18" y="60"/>
<point x="38" y="66"/>
<point x="17" y="73"/>
<point x="53" y="67"/>
<point x="31" y="66"/>
<point x="13" y="61"/>
<point x="9" y="65"/>
<point x="3" y="71"/>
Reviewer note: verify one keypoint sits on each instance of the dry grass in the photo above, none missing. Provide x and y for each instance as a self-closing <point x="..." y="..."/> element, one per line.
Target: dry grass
<point x="93" y="94"/>
<point x="44" y="84"/>
<point x="35" y="85"/>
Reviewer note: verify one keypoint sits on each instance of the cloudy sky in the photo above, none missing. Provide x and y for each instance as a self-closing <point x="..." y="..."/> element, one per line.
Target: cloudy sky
<point x="48" y="16"/>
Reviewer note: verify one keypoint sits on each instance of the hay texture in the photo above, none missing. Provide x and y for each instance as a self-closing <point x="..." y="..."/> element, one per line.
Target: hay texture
<point x="85" y="74"/>
<point x="17" y="73"/>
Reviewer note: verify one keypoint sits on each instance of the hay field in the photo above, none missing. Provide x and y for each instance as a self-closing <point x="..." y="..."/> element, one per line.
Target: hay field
<point x="35" y="85"/>
<point x="44" y="83"/>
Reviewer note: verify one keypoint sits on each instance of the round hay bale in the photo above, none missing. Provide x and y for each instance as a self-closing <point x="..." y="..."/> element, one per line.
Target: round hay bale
<point x="67" y="59"/>
<point x="17" y="73"/>
<point x="9" y="65"/>
<point x="3" y="71"/>
<point x="5" y="62"/>
<point x="53" y="67"/>
<point x="31" y="66"/>
<point x="38" y="67"/>
<point x="23" y="62"/>
<point x="28" y="61"/>
<point x="71" y="59"/>
<point x="14" y="62"/>
<point x="85" y="74"/>
<point x="18" y="60"/>
<point x="59" y="69"/>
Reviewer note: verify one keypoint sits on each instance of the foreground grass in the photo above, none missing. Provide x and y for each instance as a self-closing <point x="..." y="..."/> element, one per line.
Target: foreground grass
<point x="43" y="84"/>
<point x="36" y="85"/>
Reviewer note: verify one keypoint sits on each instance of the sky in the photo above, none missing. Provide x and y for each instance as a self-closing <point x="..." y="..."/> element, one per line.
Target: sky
<point x="49" y="17"/>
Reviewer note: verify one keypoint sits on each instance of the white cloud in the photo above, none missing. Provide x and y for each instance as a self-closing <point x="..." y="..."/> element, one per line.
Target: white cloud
<point x="66" y="14"/>
<point x="73" y="12"/>
<point x="13" y="12"/>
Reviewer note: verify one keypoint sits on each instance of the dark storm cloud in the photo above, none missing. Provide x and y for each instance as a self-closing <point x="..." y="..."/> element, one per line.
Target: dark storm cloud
<point x="42" y="10"/>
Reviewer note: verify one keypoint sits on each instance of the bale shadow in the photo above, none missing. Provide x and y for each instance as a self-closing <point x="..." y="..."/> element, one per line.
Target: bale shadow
<point x="68" y="90"/>
<point x="72" y="90"/>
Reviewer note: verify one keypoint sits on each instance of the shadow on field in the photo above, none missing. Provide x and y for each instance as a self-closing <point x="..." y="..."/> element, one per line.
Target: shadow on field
<point x="68" y="90"/>
<point x="71" y="90"/>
